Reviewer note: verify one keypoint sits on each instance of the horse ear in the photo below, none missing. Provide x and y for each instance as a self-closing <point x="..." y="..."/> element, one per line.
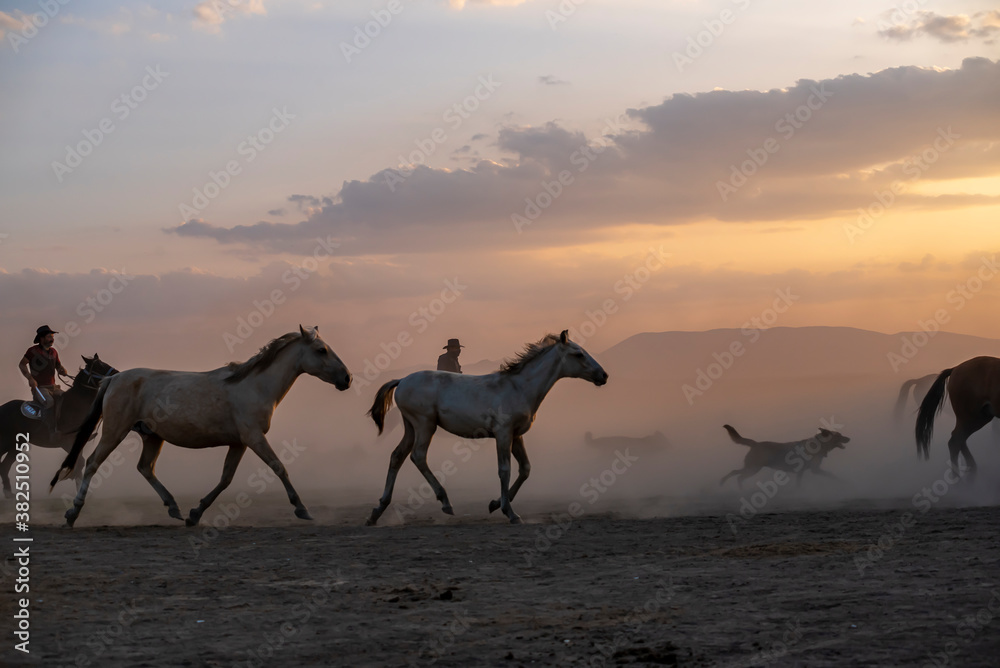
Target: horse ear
<point x="564" y="337"/>
<point x="825" y="432"/>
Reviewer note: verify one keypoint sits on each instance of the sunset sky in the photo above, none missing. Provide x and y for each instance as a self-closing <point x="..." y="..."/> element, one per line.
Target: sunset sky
<point x="491" y="170"/>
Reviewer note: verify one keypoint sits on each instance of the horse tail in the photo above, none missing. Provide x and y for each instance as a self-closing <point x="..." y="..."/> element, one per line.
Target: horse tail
<point x="383" y="402"/>
<point x="929" y="408"/>
<point x="904" y="393"/>
<point x="82" y="435"/>
<point x="735" y="435"/>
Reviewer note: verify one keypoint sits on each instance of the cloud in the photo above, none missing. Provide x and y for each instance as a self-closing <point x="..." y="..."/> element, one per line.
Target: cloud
<point x="209" y="15"/>
<point x="17" y="21"/>
<point x="832" y="144"/>
<point x="460" y="4"/>
<point x="953" y="28"/>
<point x="551" y="80"/>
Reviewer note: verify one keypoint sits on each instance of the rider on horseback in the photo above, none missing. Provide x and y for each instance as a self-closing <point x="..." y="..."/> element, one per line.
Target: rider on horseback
<point x="39" y="365"/>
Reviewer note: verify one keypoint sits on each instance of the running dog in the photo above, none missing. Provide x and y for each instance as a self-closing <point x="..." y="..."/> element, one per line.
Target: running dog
<point x="796" y="457"/>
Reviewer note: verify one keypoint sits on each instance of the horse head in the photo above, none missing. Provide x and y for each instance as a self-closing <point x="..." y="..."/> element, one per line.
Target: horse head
<point x="93" y="372"/>
<point x="575" y="362"/>
<point x="319" y="360"/>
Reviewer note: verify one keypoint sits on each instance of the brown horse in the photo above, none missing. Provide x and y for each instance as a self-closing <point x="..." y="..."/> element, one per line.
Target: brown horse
<point x="974" y="387"/>
<point x="75" y="404"/>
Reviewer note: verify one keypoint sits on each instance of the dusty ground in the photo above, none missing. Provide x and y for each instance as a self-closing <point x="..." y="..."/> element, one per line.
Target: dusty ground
<point x="787" y="589"/>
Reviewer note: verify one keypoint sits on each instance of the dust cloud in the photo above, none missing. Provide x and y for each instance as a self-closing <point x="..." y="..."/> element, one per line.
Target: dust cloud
<point x="783" y="387"/>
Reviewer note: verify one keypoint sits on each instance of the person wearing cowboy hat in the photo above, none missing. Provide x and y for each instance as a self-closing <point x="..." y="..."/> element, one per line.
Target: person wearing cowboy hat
<point x="449" y="360"/>
<point x="39" y="365"/>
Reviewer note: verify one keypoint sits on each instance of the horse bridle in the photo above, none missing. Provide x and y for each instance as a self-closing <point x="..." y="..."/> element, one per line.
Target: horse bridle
<point x="92" y="381"/>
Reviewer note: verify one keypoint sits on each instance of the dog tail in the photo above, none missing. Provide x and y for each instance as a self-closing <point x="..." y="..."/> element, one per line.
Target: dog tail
<point x="735" y="435"/>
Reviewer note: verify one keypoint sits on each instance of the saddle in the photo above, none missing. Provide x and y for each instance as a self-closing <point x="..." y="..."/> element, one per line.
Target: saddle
<point x="35" y="410"/>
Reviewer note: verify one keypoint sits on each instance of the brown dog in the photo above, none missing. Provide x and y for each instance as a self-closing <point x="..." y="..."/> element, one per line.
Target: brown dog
<point x="796" y="457"/>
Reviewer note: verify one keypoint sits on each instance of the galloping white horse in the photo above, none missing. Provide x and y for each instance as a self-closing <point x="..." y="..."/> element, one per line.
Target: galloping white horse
<point x="501" y="405"/>
<point x="229" y="406"/>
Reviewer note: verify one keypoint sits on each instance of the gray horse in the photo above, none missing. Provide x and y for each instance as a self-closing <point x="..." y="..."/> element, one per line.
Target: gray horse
<point x="230" y="406"/>
<point x="501" y="405"/>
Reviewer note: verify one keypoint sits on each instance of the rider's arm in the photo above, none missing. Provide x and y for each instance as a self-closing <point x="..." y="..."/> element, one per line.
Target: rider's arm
<point x="59" y="367"/>
<point x="23" y="366"/>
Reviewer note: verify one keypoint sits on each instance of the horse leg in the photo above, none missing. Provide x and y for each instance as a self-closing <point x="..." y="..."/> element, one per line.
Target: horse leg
<point x="957" y="444"/>
<point x="419" y="457"/>
<point x="262" y="449"/>
<point x="504" y="446"/>
<point x="151" y="446"/>
<point x="523" y="469"/>
<point x="396" y="460"/>
<point x="113" y="435"/>
<point x="5" y="465"/>
<point x="969" y="461"/>
<point x="233" y="458"/>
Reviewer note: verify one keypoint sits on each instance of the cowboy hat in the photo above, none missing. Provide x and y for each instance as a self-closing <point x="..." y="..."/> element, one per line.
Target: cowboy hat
<point x="42" y="331"/>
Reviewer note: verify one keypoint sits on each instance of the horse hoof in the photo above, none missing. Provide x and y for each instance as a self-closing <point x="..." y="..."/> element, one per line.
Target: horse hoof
<point x="175" y="513"/>
<point x="447" y="510"/>
<point x="494" y="506"/>
<point x="516" y="520"/>
<point x="193" y="518"/>
<point x="7" y="494"/>
<point x="302" y="514"/>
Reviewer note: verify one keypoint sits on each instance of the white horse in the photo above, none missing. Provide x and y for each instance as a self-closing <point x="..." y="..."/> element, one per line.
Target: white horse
<point x="501" y="405"/>
<point x="229" y="406"/>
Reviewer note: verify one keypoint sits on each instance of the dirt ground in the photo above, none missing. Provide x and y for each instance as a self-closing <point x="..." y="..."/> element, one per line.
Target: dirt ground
<point x="808" y="588"/>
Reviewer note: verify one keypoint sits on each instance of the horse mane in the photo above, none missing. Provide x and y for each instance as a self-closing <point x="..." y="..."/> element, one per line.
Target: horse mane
<point x="512" y="367"/>
<point x="262" y="360"/>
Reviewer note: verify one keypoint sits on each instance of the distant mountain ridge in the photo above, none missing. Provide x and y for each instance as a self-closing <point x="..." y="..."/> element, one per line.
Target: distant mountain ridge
<point x="791" y="352"/>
